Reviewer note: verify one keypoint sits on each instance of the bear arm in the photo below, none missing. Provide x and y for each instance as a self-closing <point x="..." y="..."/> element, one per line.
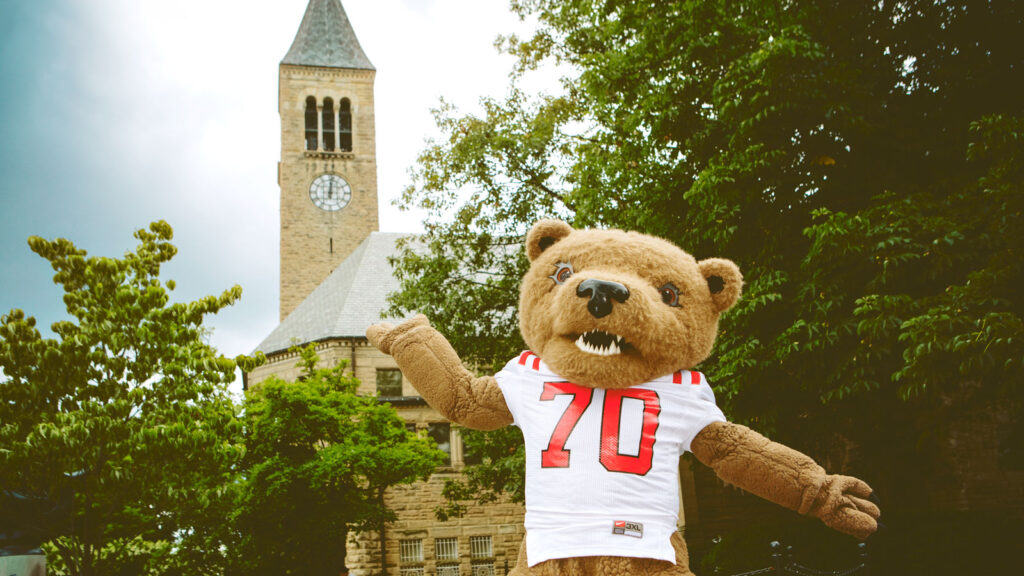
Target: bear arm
<point x="786" y="477"/>
<point x="435" y="370"/>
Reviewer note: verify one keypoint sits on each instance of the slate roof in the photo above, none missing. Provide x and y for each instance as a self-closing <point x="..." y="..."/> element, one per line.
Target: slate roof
<point x="349" y="300"/>
<point x="325" y="38"/>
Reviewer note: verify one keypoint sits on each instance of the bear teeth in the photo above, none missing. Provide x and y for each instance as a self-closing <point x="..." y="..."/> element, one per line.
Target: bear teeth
<point x="600" y="343"/>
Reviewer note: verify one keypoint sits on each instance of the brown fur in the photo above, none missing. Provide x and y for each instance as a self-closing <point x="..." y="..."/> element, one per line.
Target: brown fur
<point x="782" y="475"/>
<point x="661" y="339"/>
<point x="431" y="364"/>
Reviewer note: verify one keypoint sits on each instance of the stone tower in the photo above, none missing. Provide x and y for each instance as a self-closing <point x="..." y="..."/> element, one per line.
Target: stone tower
<point x="328" y="167"/>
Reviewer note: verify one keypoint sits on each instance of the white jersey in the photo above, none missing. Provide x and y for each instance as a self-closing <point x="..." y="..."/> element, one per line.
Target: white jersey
<point x="602" y="466"/>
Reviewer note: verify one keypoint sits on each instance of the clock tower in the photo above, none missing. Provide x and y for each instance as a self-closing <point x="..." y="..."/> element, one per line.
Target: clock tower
<point x="328" y="168"/>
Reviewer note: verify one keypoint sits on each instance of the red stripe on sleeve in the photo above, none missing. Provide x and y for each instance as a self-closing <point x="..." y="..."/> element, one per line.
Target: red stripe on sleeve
<point x="695" y="378"/>
<point x="536" y="363"/>
<point x="523" y="357"/>
<point x="677" y="378"/>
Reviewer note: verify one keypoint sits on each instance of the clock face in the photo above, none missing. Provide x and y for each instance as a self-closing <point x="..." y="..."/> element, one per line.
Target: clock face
<point x="330" y="192"/>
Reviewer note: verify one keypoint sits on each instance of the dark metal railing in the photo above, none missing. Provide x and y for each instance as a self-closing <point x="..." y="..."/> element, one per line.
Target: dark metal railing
<point x="783" y="563"/>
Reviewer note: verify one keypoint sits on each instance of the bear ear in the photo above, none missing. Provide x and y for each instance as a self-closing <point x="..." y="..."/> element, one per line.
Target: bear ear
<point x="724" y="281"/>
<point x="543" y="235"/>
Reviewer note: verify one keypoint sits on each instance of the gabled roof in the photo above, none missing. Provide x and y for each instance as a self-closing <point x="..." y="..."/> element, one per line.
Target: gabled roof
<point x="325" y="38"/>
<point x="346" y="303"/>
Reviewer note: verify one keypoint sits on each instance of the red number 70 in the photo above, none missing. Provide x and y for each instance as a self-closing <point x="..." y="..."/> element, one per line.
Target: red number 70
<point x="556" y="456"/>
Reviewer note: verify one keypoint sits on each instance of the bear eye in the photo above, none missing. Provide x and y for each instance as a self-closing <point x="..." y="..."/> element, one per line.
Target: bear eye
<point x="562" y="273"/>
<point x="670" y="294"/>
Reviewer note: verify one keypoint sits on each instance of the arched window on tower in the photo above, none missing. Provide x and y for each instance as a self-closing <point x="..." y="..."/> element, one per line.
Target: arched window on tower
<point x="328" y="114"/>
<point x="345" y="125"/>
<point x="311" y="136"/>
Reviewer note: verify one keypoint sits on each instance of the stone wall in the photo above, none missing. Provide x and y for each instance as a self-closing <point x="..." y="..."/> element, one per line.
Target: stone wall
<point x="414" y="504"/>
<point x="362" y="358"/>
<point x="502" y="522"/>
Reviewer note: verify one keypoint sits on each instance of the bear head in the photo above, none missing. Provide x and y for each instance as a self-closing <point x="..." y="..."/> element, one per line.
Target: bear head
<point x="612" y="309"/>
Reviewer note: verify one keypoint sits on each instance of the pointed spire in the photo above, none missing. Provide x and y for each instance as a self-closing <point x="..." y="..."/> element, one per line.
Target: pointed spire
<point x="325" y="38"/>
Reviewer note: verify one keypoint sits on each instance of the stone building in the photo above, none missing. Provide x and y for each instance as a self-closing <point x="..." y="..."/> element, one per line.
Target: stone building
<point x="335" y="279"/>
<point x="334" y="282"/>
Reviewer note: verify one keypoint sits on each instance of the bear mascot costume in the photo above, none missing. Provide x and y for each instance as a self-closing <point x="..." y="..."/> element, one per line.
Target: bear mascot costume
<point x="607" y="402"/>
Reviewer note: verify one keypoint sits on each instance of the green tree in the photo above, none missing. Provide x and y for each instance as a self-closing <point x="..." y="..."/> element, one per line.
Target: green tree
<point x="319" y="460"/>
<point x="860" y="161"/>
<point x="129" y="393"/>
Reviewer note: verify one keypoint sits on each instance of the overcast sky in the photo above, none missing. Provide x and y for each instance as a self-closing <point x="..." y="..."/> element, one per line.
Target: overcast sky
<point x="115" y="113"/>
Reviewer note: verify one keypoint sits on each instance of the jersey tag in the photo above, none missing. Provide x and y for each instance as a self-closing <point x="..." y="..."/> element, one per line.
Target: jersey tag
<point x="626" y="528"/>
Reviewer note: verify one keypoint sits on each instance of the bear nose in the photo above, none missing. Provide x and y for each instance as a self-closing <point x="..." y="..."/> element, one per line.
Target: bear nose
<point x="601" y="294"/>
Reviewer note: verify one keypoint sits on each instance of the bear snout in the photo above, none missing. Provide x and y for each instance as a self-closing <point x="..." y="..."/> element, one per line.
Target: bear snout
<point x="601" y="293"/>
